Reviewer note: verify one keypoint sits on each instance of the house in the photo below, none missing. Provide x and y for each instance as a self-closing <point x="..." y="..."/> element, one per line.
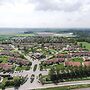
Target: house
<point x="86" y="63"/>
<point x="86" y="58"/>
<point x="38" y="55"/>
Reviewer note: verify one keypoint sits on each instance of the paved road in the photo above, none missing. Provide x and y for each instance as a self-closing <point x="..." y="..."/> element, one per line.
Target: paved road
<point x="62" y="84"/>
<point x="39" y="86"/>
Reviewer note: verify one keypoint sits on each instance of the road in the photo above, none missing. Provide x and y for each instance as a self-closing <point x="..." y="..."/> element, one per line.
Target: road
<point x="39" y="86"/>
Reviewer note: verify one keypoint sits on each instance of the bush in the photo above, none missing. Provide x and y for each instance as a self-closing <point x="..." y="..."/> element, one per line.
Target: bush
<point x="35" y="67"/>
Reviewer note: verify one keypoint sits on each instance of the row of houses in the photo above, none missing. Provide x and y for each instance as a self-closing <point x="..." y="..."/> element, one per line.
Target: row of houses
<point x="61" y="60"/>
<point x="9" y="53"/>
<point x="55" y="60"/>
<point x="78" y="64"/>
<point x="79" y="54"/>
<point x="11" y="60"/>
<point x="73" y="54"/>
<point x="6" y="66"/>
<point x="74" y="49"/>
<point x="6" y="47"/>
<point x="18" y="61"/>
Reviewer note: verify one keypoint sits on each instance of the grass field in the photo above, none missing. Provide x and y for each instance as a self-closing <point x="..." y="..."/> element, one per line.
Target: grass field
<point x="86" y="44"/>
<point x="60" y="66"/>
<point x="25" y="35"/>
<point x="77" y="60"/>
<point x="3" y="59"/>
<point x="22" y="68"/>
<point x="5" y="37"/>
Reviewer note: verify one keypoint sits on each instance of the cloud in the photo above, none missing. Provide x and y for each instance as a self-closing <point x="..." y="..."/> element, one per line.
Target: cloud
<point x="45" y="13"/>
<point x="51" y="5"/>
<point x="59" y="5"/>
<point x="5" y="2"/>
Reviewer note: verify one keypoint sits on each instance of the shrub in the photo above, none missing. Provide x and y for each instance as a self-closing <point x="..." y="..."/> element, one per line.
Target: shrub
<point x="35" y="67"/>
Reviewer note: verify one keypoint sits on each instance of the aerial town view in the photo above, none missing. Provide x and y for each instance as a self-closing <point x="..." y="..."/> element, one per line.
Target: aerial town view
<point x="44" y="44"/>
<point x="40" y="60"/>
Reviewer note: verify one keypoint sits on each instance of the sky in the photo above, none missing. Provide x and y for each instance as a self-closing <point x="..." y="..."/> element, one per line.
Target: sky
<point x="45" y="13"/>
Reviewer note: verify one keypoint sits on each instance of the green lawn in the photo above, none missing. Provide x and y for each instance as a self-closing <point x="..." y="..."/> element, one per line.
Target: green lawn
<point x="64" y="52"/>
<point x="60" y="66"/>
<point x="3" y="59"/>
<point x="22" y="68"/>
<point x="1" y="49"/>
<point x="5" y="37"/>
<point x="86" y="44"/>
<point x="77" y="60"/>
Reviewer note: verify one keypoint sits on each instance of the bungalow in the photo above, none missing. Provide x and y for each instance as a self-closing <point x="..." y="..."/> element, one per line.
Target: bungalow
<point x="86" y="58"/>
<point x="86" y="63"/>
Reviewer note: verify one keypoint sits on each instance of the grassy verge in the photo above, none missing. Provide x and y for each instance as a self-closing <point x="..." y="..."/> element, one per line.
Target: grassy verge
<point x="3" y="59"/>
<point x="22" y="68"/>
<point x="77" y="60"/>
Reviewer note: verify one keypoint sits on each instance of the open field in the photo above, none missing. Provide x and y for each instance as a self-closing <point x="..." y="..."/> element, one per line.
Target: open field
<point x="25" y="35"/>
<point x="86" y="44"/>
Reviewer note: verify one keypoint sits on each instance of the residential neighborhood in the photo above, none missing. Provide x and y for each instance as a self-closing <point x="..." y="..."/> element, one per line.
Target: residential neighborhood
<point x="36" y="62"/>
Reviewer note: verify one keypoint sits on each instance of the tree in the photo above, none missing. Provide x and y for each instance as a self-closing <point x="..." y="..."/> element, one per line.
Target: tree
<point x="17" y="82"/>
<point x="81" y="45"/>
<point x="53" y="75"/>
